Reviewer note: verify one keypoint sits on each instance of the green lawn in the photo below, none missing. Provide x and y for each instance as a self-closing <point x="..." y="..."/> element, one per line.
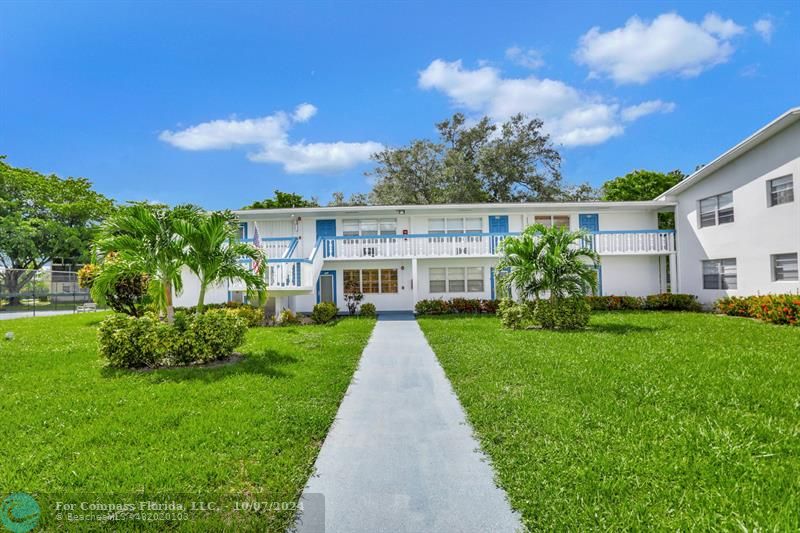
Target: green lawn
<point x="662" y="421"/>
<point x="72" y="426"/>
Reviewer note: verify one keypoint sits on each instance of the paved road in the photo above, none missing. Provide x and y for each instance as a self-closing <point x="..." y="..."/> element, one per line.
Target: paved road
<point x="400" y="456"/>
<point x="29" y="314"/>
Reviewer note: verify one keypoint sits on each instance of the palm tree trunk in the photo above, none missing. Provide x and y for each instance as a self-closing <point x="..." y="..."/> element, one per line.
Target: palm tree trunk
<point x="201" y="299"/>
<point x="168" y="302"/>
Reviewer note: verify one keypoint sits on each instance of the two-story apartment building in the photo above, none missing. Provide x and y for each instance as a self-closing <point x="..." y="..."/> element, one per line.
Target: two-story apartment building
<point x="737" y="232"/>
<point x="397" y="255"/>
<point x="737" y="219"/>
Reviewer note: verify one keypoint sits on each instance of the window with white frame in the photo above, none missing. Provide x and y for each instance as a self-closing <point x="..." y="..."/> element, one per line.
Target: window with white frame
<point x="784" y="267"/>
<point x="552" y="221"/>
<point x="719" y="274"/>
<point x="456" y="279"/>
<point x="370" y="226"/>
<point x="455" y="225"/>
<point x="780" y="190"/>
<point x="370" y="281"/>
<point x="242" y="231"/>
<point x="716" y="210"/>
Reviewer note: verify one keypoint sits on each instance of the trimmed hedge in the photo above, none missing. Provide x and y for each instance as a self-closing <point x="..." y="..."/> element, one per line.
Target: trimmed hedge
<point x="129" y="342"/>
<point x="772" y="308"/>
<point x="655" y="302"/>
<point x="564" y="313"/>
<point x="661" y="302"/>
<point x="254" y="316"/>
<point x="324" y="312"/>
<point x="456" y="306"/>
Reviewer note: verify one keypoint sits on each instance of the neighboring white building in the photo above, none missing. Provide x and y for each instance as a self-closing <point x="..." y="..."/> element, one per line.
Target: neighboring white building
<point x="737" y="232"/>
<point x="737" y="219"/>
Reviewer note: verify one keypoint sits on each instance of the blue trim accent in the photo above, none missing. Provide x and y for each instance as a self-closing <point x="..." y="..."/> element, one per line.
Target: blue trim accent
<point x="272" y="239"/>
<point x="600" y="279"/>
<point x="491" y="281"/>
<point x="420" y="236"/>
<point x="243" y="225"/>
<point x="289" y="251"/>
<point x="327" y="273"/>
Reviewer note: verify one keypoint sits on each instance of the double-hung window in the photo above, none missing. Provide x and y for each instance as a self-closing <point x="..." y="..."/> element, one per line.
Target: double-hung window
<point x="719" y="274"/>
<point x="456" y="279"/>
<point x="716" y="210"/>
<point x="369" y="227"/>
<point x="455" y="225"/>
<point x="552" y="221"/>
<point x="784" y="267"/>
<point x="780" y="190"/>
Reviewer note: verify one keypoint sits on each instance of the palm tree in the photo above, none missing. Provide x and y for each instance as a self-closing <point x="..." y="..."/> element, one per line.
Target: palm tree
<point x="542" y="259"/>
<point x="214" y="254"/>
<point x="144" y="236"/>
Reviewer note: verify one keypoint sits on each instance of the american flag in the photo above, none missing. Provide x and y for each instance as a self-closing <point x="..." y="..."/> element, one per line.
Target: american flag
<point x="257" y="244"/>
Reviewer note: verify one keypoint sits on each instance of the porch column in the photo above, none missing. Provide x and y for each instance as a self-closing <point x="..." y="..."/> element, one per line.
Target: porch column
<point x="673" y="273"/>
<point x="414" y="281"/>
<point x="281" y="303"/>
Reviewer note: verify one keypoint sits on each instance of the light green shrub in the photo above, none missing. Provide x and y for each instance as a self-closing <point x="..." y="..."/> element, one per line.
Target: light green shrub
<point x="129" y="342"/>
<point x="324" y="312"/>
<point x="288" y="317"/>
<point x="515" y="315"/>
<point x="563" y="313"/>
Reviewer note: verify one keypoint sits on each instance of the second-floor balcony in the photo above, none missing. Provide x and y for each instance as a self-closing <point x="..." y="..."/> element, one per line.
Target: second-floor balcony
<point x="446" y="245"/>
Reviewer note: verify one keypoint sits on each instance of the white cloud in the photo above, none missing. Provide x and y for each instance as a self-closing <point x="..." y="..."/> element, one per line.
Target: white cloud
<point x="724" y="29"/>
<point x="765" y="28"/>
<point x="270" y="135"/>
<point x="304" y="112"/>
<point x="641" y="51"/>
<point x="570" y="116"/>
<point x="530" y="58"/>
<point x="634" y="112"/>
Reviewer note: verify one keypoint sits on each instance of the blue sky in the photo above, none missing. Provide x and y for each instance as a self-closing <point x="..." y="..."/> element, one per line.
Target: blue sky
<point x="204" y="102"/>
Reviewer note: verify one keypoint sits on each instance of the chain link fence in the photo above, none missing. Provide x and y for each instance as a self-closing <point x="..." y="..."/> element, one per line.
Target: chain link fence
<point x="32" y="292"/>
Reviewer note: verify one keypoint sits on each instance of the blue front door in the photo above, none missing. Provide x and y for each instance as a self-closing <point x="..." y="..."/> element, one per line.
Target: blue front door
<point x="326" y="286"/>
<point x="589" y="222"/>
<point x="327" y="228"/>
<point x="497" y="224"/>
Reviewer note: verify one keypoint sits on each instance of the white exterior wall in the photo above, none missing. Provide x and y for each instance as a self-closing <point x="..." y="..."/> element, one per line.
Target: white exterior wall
<point x="216" y="294"/>
<point x="637" y="275"/>
<point x="757" y="231"/>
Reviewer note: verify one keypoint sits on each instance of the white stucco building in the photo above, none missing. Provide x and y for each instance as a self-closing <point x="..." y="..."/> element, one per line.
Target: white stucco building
<point x="737" y="232"/>
<point x="737" y="219"/>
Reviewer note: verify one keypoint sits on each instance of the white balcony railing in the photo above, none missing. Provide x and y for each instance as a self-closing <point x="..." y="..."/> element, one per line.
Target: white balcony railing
<point x="634" y="242"/>
<point x="277" y="247"/>
<point x="297" y="275"/>
<point x="483" y="244"/>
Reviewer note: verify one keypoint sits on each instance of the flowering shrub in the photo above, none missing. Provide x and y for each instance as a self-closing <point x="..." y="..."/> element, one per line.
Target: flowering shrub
<point x="254" y="316"/>
<point x="773" y="308"/>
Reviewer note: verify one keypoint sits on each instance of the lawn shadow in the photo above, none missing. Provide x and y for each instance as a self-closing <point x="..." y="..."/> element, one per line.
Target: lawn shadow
<point x="620" y="329"/>
<point x="266" y="363"/>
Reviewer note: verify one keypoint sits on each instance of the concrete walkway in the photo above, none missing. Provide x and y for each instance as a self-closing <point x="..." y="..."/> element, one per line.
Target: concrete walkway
<point x="400" y="456"/>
